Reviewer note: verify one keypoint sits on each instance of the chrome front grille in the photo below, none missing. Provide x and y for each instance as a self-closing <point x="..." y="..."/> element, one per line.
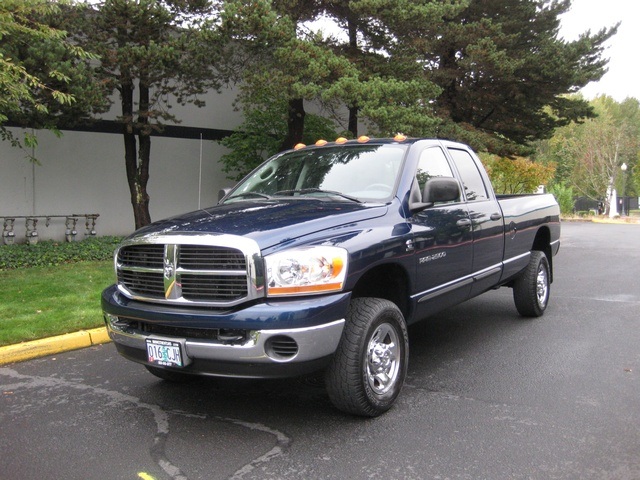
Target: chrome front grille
<point x="190" y="273"/>
<point x="199" y="257"/>
<point x="142" y="256"/>
<point x="149" y="284"/>
<point x="214" y="287"/>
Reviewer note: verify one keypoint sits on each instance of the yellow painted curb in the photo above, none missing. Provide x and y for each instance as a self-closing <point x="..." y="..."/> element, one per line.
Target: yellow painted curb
<point x="52" y="345"/>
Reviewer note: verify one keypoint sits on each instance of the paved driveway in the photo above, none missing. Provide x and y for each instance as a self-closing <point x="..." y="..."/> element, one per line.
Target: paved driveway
<point x="489" y="396"/>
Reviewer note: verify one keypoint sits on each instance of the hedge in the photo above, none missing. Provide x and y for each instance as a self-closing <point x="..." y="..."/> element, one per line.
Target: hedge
<point x="51" y="253"/>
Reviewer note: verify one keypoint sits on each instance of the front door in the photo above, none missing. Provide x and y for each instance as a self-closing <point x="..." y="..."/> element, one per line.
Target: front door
<point x="442" y="242"/>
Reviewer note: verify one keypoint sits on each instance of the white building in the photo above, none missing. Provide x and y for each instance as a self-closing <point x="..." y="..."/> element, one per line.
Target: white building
<point x="84" y="173"/>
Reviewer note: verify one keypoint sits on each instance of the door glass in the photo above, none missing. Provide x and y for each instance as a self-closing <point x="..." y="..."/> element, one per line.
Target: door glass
<point x="474" y="187"/>
<point x="433" y="163"/>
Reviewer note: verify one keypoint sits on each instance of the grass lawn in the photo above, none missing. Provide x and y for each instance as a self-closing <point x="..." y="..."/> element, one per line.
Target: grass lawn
<point x="42" y="301"/>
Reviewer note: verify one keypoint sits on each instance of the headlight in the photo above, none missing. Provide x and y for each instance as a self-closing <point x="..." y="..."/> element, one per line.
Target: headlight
<point x="306" y="270"/>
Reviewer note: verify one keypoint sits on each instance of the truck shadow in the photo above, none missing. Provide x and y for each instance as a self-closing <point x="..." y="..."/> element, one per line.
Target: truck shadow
<point x="437" y="344"/>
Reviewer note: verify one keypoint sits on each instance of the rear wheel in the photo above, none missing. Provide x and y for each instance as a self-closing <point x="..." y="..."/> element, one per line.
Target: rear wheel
<point x="531" y="288"/>
<point x="369" y="367"/>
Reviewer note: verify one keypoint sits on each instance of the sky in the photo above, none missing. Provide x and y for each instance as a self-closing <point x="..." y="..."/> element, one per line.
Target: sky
<point x="623" y="78"/>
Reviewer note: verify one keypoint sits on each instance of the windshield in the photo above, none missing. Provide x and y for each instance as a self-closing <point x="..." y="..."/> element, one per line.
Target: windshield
<point x="352" y="172"/>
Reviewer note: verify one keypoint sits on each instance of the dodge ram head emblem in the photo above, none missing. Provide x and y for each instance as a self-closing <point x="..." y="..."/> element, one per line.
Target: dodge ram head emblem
<point x="171" y="287"/>
<point x="168" y="268"/>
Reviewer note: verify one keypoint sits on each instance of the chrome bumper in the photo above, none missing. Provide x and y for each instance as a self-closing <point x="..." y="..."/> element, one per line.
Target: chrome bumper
<point x="313" y="343"/>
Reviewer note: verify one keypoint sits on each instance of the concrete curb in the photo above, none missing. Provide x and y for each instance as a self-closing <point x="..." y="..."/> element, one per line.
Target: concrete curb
<point x="52" y="345"/>
<point x="609" y="221"/>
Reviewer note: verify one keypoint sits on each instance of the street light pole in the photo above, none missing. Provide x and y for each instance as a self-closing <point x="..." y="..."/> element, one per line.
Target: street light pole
<point x="623" y="167"/>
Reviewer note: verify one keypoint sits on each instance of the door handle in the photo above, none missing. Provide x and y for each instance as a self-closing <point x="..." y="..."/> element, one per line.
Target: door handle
<point x="495" y="216"/>
<point x="463" y="222"/>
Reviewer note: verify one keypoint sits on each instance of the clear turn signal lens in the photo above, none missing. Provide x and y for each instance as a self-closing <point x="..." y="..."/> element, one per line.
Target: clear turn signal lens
<point x="306" y="271"/>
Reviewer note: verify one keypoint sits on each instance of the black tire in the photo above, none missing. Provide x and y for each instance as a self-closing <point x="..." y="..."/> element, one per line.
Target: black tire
<point x="369" y="367"/>
<point x="532" y="288"/>
<point x="170" y="375"/>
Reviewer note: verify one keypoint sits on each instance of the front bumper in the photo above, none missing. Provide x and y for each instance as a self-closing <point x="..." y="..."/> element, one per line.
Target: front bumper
<point x="279" y="339"/>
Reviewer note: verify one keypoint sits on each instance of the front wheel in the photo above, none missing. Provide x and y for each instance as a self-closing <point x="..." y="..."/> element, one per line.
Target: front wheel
<point x="531" y="288"/>
<point x="369" y="367"/>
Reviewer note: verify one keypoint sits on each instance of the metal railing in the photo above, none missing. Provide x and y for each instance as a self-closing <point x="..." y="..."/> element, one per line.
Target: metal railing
<point x="31" y="226"/>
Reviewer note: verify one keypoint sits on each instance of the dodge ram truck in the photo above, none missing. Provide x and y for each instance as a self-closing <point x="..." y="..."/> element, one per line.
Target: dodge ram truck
<point x="319" y="260"/>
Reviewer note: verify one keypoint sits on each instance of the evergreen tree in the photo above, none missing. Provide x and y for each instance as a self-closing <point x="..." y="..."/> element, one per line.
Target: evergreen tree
<point x="503" y="70"/>
<point x="281" y="61"/>
<point x="152" y="53"/>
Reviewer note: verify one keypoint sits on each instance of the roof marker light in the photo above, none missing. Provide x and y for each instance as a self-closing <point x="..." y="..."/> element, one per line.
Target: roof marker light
<point x="400" y="137"/>
<point x="341" y="140"/>
<point x="363" y="139"/>
<point x="299" y="146"/>
<point x="321" y="143"/>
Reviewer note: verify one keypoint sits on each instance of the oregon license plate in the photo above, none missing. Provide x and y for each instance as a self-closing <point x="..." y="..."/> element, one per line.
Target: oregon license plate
<point x="164" y="352"/>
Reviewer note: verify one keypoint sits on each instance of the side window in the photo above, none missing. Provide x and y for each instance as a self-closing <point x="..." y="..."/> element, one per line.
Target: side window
<point x="474" y="187"/>
<point x="433" y="163"/>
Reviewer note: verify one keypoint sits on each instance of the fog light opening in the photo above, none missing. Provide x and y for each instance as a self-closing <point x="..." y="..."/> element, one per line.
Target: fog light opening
<point x="281" y="347"/>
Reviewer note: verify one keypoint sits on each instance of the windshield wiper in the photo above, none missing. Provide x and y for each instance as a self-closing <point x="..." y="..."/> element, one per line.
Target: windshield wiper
<point x="250" y="194"/>
<point x="304" y="191"/>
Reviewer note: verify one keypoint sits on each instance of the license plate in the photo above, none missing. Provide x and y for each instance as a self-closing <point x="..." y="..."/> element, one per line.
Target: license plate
<point x="164" y="352"/>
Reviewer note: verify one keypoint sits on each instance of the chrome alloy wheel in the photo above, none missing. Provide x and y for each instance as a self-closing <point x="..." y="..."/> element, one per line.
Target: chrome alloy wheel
<point x="383" y="363"/>
<point x="542" y="286"/>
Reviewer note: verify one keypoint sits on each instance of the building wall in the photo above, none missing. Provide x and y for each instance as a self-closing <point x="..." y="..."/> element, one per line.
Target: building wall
<point x="84" y="173"/>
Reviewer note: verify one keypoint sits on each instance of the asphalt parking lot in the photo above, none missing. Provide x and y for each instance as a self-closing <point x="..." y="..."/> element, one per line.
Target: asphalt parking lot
<point x="489" y="395"/>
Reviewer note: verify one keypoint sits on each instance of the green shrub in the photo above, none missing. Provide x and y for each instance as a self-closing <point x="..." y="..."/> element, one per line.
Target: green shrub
<point x="51" y="253"/>
<point x="564" y="197"/>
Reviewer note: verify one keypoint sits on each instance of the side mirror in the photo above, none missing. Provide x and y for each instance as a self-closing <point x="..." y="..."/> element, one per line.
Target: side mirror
<point x="437" y="189"/>
<point x="223" y="193"/>
<point x="441" y="189"/>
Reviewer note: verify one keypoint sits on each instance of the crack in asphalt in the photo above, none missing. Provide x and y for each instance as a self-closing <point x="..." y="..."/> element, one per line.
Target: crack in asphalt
<point x="161" y="418"/>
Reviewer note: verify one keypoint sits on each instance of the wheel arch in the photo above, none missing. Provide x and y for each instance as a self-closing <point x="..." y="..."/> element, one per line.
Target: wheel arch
<point x="388" y="281"/>
<point x="542" y="243"/>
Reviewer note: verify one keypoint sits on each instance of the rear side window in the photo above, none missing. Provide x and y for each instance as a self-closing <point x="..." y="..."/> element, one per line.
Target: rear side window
<point x="474" y="187"/>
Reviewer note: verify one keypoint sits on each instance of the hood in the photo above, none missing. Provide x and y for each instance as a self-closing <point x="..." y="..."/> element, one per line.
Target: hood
<point x="268" y="222"/>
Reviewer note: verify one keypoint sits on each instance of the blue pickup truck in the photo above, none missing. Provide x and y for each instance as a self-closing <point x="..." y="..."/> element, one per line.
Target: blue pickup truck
<point x="319" y="260"/>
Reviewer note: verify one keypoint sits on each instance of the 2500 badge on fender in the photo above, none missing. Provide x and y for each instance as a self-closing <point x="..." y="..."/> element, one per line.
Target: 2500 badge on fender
<point x="430" y="258"/>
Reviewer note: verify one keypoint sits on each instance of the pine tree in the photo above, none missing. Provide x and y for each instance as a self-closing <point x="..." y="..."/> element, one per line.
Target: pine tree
<point x="150" y="52"/>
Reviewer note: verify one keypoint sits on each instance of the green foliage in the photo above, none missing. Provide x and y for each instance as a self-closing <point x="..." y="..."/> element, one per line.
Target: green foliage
<point x="503" y="69"/>
<point x="589" y="154"/>
<point x="519" y="175"/>
<point x="564" y="196"/>
<point x="50" y="253"/>
<point x="44" y="80"/>
<point x="491" y="74"/>
<point x="389" y="105"/>
<point x="261" y="135"/>
<point x="153" y="54"/>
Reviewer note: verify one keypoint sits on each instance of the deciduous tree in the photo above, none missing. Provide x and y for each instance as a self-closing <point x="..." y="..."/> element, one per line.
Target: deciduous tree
<point x="44" y="79"/>
<point x="591" y="153"/>
<point x="516" y="175"/>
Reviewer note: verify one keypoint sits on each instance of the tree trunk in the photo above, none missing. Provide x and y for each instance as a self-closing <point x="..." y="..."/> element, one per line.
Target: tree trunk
<point x="136" y="161"/>
<point x="353" y="120"/>
<point x="295" y="124"/>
